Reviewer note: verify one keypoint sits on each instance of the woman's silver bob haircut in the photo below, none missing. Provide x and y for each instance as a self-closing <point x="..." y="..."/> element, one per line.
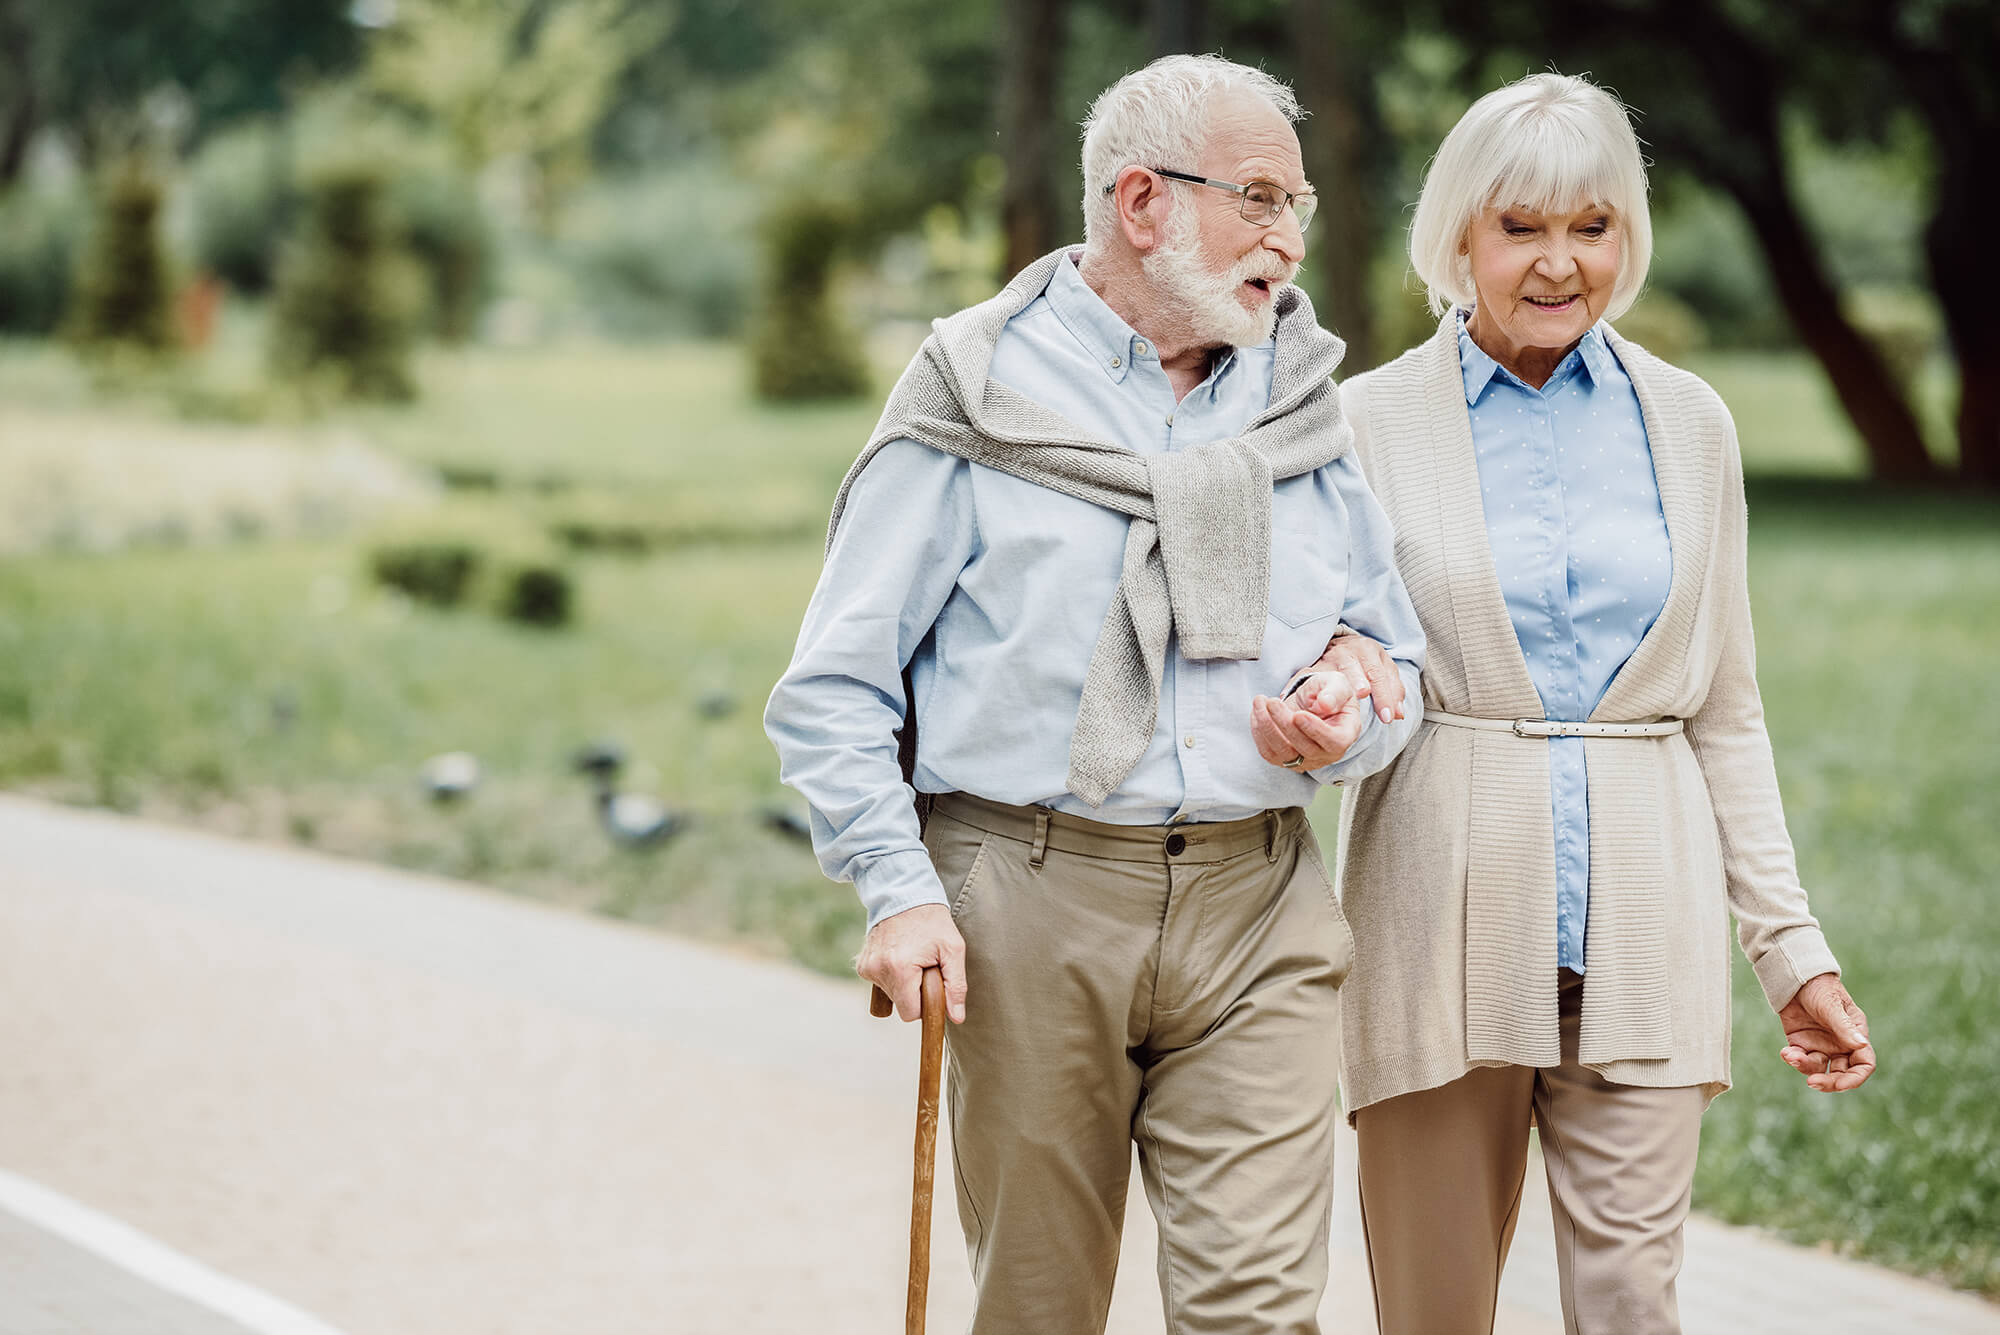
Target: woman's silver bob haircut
<point x="1551" y="143"/>
<point x="1158" y="117"/>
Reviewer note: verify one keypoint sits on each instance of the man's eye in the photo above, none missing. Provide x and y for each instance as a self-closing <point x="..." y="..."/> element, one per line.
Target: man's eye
<point x="1261" y="195"/>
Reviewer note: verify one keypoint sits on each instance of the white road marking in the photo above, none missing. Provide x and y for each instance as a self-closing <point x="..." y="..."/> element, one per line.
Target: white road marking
<point x="159" y="1265"/>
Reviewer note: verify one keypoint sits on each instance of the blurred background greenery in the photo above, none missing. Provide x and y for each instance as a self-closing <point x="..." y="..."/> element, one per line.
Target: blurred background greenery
<point x="399" y="398"/>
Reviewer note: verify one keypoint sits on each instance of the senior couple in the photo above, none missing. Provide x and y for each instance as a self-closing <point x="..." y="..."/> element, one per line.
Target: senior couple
<point x="1123" y="577"/>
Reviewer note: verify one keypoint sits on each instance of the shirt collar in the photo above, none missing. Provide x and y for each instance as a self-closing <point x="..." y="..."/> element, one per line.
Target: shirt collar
<point x="1593" y="354"/>
<point x="1108" y="340"/>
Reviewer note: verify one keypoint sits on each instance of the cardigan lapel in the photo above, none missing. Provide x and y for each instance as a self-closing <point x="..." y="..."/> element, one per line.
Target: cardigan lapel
<point x="1685" y="462"/>
<point x="1496" y="671"/>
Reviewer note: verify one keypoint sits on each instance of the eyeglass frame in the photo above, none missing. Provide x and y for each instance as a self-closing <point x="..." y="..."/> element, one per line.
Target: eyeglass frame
<point x="1290" y="199"/>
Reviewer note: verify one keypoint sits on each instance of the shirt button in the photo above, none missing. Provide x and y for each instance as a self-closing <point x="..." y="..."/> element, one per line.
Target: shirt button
<point x="1141" y="348"/>
<point x="1116" y="362"/>
<point x="1189" y="739"/>
<point x="1176" y="845"/>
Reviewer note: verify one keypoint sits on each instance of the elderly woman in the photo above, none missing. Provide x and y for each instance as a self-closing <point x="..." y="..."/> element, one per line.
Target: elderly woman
<point x="1537" y="886"/>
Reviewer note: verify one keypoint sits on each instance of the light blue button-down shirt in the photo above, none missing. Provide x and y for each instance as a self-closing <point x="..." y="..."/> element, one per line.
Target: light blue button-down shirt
<point x="994" y="590"/>
<point x="1580" y="544"/>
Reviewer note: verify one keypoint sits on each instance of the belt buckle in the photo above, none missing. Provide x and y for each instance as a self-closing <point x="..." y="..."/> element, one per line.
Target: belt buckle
<point x="1536" y="728"/>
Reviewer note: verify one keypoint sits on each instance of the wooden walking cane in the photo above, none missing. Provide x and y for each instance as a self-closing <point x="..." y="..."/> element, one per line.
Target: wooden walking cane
<point x="929" y="1067"/>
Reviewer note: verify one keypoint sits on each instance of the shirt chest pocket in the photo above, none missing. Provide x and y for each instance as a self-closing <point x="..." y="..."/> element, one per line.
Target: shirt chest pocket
<point x="1308" y="563"/>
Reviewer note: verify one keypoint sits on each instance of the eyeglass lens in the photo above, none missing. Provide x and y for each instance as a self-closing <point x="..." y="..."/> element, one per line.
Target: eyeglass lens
<point x="1263" y="202"/>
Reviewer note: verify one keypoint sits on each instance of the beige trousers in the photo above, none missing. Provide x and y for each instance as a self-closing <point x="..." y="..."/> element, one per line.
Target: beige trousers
<point x="1169" y="985"/>
<point x="1442" y="1172"/>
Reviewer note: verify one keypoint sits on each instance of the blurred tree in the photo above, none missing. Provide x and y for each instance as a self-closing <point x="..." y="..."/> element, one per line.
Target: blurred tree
<point x="1713" y="81"/>
<point x="527" y="79"/>
<point x="1337" y="48"/>
<point x="123" y="295"/>
<point x="800" y="347"/>
<point x="1177" y="26"/>
<point x="1032" y="210"/>
<point x="349" y="298"/>
<point x="115" y="75"/>
<point x="1945" y="55"/>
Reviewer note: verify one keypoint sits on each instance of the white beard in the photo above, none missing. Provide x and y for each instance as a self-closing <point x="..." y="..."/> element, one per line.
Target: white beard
<point x="1208" y="301"/>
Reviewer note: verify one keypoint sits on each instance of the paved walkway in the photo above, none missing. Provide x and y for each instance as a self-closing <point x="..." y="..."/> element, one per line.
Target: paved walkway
<point x="410" y="1107"/>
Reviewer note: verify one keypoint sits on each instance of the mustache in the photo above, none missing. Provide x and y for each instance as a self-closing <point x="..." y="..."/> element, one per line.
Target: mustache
<point x="1269" y="268"/>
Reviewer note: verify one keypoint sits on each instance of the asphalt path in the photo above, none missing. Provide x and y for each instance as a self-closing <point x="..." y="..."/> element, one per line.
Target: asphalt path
<point x="395" y="1105"/>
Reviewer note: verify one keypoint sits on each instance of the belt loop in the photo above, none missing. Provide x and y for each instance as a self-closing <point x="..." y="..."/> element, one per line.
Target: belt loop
<point x="1270" y="836"/>
<point x="1041" y="839"/>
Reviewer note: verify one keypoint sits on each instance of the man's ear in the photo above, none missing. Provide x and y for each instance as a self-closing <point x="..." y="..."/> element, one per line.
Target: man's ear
<point x="1142" y="202"/>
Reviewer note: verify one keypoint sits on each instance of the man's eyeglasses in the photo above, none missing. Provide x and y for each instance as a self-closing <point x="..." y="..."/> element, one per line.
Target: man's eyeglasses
<point x="1260" y="202"/>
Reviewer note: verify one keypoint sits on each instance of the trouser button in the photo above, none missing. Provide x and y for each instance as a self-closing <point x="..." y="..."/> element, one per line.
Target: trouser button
<point x="1176" y="845"/>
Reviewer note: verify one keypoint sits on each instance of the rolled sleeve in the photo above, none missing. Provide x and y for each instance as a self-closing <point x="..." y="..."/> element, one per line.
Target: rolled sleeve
<point x="1378" y="606"/>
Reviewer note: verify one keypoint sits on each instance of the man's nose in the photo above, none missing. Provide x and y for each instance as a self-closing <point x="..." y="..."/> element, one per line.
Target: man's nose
<point x="1286" y="237"/>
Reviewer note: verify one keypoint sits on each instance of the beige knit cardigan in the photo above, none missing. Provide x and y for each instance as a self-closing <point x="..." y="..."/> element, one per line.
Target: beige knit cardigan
<point x="1447" y="865"/>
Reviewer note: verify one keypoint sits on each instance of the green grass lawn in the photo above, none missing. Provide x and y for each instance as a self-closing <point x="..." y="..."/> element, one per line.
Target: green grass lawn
<point x="270" y="690"/>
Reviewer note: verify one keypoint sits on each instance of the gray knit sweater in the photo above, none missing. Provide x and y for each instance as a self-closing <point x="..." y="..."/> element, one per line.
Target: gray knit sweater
<point x="1198" y="551"/>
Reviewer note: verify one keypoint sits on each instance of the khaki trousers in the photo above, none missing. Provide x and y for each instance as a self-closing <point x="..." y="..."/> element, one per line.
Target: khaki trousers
<point x="1442" y="1172"/>
<point x="1170" y="985"/>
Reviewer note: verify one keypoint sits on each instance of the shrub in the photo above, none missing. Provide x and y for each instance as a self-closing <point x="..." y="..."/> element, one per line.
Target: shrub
<point x="123" y="294"/>
<point x="244" y="201"/>
<point x="37" y="258"/>
<point x="349" y="298"/>
<point x="448" y="232"/>
<point x="535" y="593"/>
<point x="437" y="571"/>
<point x="477" y="554"/>
<point x="800" y="349"/>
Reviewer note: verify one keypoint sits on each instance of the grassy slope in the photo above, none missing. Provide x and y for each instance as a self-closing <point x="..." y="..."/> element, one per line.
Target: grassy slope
<point x="270" y="691"/>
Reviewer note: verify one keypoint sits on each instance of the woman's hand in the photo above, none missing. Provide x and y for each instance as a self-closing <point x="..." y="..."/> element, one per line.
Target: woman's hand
<point x="1368" y="669"/>
<point x="1826" y="1036"/>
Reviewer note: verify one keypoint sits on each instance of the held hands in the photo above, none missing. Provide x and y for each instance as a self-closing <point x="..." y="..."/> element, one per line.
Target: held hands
<point x="1826" y="1036"/>
<point x="1319" y="720"/>
<point x="1368" y="669"/>
<point x="1311" y="728"/>
<point x="900" y="948"/>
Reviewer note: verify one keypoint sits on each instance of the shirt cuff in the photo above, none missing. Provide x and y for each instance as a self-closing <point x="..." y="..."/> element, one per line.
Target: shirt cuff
<point x="895" y="882"/>
<point x="1797" y="955"/>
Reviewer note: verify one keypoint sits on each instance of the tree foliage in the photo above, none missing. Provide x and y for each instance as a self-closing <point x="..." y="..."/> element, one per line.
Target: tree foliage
<point x="520" y="79"/>
<point x="117" y="74"/>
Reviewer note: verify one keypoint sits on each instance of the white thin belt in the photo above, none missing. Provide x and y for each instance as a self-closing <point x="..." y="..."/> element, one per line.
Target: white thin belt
<point x="1541" y="727"/>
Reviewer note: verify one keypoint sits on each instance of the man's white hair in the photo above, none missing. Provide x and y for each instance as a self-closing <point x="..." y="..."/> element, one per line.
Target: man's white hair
<point x="1552" y="143"/>
<point x="1158" y="117"/>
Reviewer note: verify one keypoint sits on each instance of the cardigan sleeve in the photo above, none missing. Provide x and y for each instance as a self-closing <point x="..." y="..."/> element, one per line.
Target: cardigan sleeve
<point x="1773" y="922"/>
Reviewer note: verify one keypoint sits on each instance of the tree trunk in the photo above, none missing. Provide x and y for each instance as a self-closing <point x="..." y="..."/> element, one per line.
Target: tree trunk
<point x="1333" y="87"/>
<point x="1178" y="26"/>
<point x="1947" y="83"/>
<point x="20" y="114"/>
<point x="1959" y="248"/>
<point x="1030" y="213"/>
<point x="1862" y="380"/>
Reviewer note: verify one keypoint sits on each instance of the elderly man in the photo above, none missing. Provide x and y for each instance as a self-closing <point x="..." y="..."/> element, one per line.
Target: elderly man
<point x="1101" y="517"/>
